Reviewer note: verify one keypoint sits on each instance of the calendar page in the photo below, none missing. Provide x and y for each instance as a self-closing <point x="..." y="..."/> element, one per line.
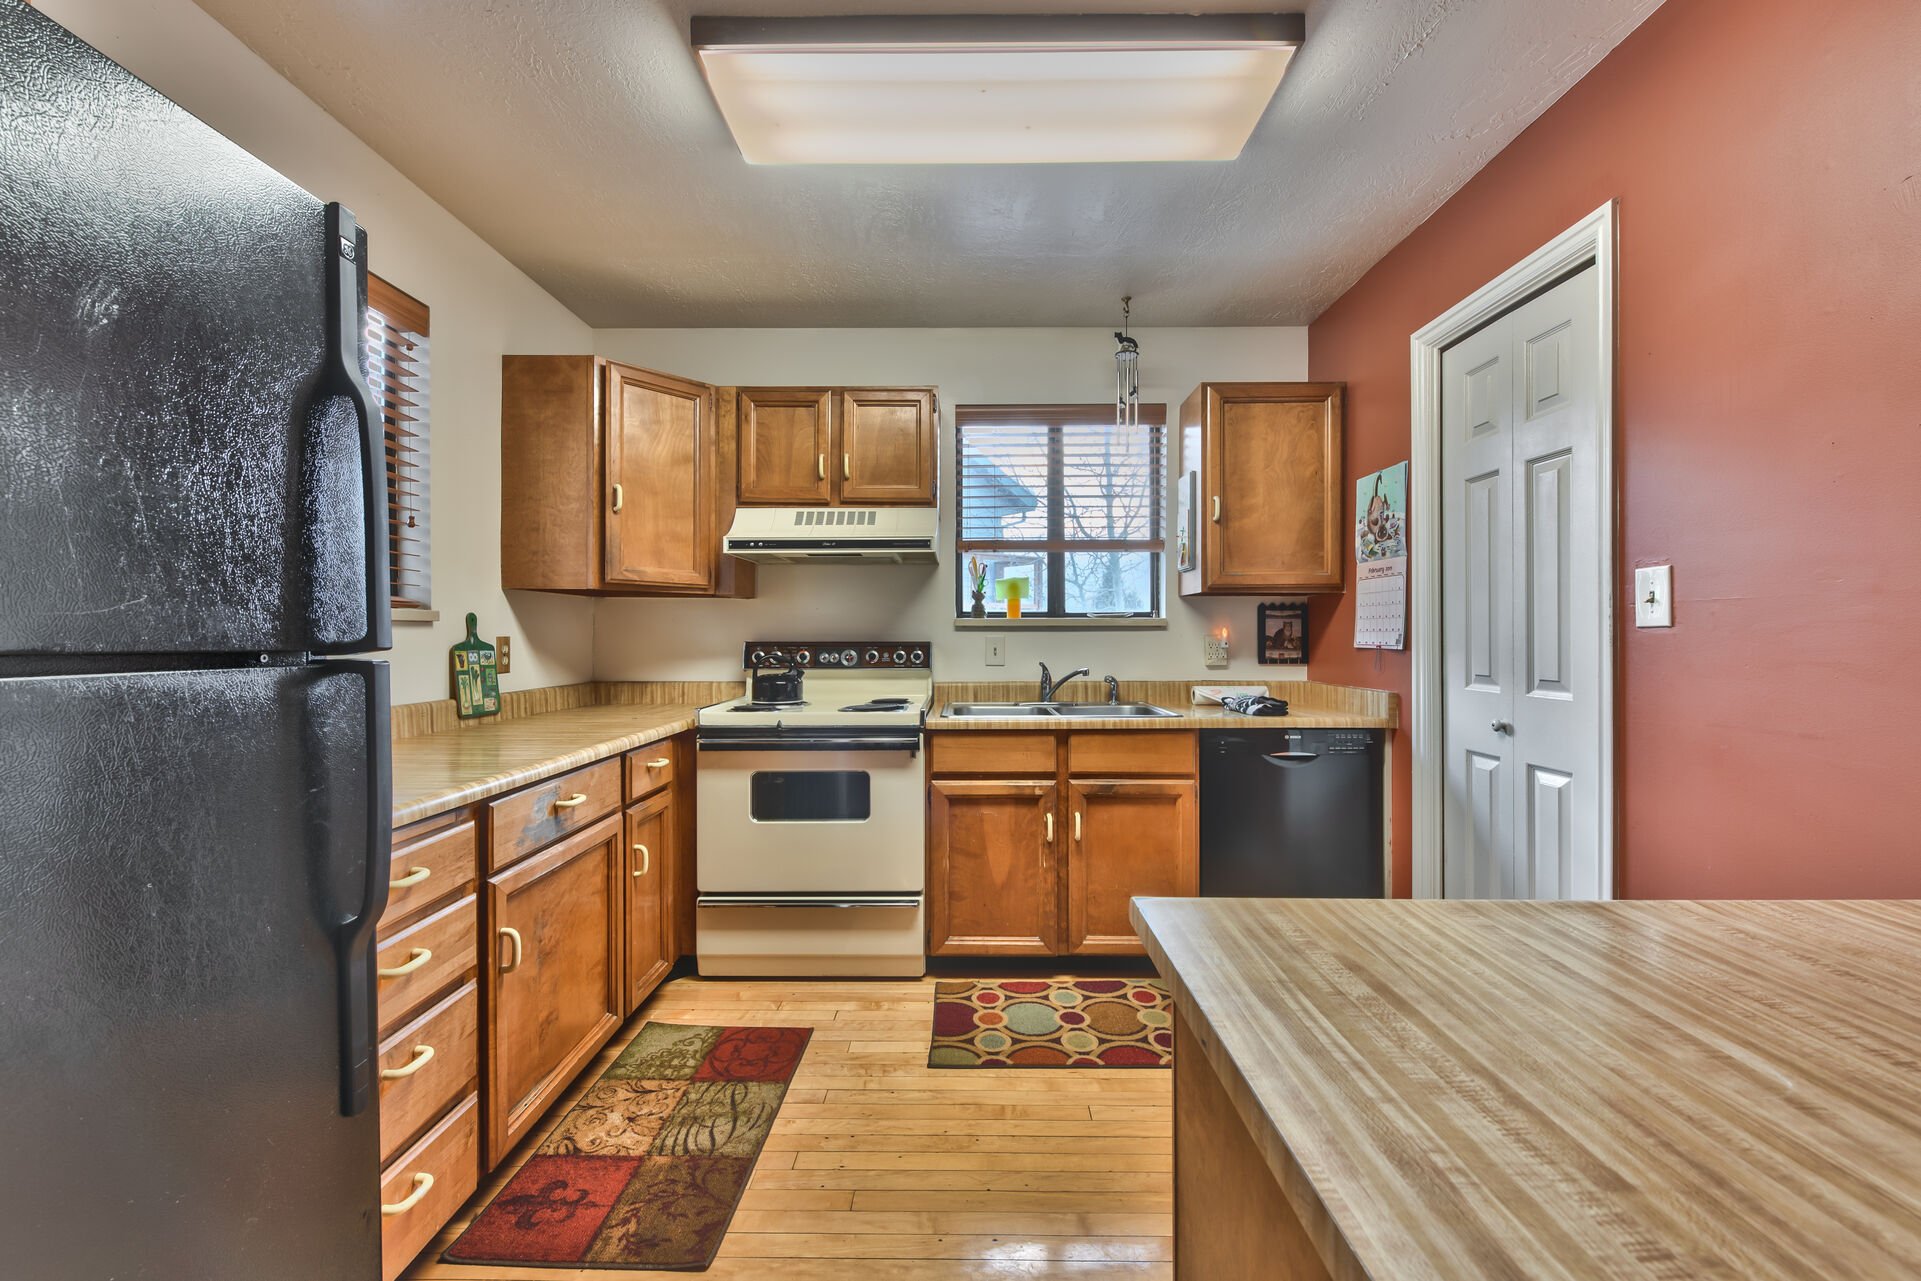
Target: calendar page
<point x="1380" y="559"/>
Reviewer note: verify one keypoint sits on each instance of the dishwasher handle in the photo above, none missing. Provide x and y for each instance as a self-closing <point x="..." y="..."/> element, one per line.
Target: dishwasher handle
<point x="1290" y="758"/>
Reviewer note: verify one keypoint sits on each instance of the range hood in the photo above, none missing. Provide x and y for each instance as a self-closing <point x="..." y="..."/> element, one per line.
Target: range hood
<point x="791" y="535"/>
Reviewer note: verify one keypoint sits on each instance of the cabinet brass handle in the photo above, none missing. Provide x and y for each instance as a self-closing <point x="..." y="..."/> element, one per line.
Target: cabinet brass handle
<point x="415" y="875"/>
<point x="846" y="466"/>
<point x="415" y="959"/>
<point x="1077" y="825"/>
<point x="568" y="802"/>
<point x="423" y="1055"/>
<point x="620" y="497"/>
<point x="1049" y="817"/>
<point x="820" y="468"/>
<point x="646" y="859"/>
<point x="1217" y="509"/>
<point x="423" y="1184"/>
<point x="512" y="935"/>
<point x="662" y="763"/>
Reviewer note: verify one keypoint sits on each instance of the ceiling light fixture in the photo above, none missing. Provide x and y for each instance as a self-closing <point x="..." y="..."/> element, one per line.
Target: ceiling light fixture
<point x="995" y="89"/>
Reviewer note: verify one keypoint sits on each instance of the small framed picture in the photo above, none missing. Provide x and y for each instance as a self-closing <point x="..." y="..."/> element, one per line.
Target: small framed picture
<point x="1283" y="632"/>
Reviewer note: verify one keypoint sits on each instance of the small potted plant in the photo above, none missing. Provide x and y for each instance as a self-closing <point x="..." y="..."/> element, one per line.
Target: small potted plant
<point x="977" y="574"/>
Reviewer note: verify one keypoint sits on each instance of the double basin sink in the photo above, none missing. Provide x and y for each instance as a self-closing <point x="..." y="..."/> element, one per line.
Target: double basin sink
<point x="1100" y="711"/>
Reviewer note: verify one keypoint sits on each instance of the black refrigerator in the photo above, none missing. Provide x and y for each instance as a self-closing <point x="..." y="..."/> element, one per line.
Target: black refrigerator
<point x="194" y="798"/>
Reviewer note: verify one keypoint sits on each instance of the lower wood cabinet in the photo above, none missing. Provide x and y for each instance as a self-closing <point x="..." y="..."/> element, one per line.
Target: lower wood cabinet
<point x="650" y="847"/>
<point x="427" y="1185"/>
<point x="1126" y="837"/>
<point x="554" y="979"/>
<point x="993" y="868"/>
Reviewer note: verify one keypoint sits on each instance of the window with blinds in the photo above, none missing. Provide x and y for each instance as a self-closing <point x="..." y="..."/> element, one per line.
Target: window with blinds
<point x="1060" y="497"/>
<point x="397" y="358"/>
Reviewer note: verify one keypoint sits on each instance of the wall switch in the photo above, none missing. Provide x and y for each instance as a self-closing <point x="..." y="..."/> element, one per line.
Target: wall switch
<point x="997" y="651"/>
<point x="504" y="653"/>
<point x="1654" y="596"/>
<point x="1215" y="651"/>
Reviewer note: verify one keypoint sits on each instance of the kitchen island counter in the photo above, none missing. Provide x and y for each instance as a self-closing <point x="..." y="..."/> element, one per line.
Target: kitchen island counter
<point x="1389" y="1090"/>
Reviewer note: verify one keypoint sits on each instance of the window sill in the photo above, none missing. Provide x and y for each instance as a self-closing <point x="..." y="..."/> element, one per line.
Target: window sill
<point x="416" y="615"/>
<point x="1001" y="623"/>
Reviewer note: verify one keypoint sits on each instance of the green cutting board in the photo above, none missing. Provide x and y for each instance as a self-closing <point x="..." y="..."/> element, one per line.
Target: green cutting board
<point x="476" y="671"/>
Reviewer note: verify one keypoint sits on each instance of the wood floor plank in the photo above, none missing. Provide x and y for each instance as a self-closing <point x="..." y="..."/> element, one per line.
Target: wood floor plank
<point x="901" y="1245"/>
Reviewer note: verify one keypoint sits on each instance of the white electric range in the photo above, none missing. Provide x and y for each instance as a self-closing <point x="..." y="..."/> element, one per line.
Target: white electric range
<point x="811" y="854"/>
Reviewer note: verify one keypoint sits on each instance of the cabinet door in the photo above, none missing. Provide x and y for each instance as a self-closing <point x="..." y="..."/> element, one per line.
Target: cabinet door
<point x="660" y="483"/>
<point x="553" y="974"/>
<point x="786" y="445"/>
<point x="650" y="841"/>
<point x="1125" y="838"/>
<point x="887" y="446"/>
<point x="993" y="871"/>
<point x="1271" y="488"/>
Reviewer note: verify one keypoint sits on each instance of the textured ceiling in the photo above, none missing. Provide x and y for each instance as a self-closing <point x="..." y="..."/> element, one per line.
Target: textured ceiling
<point x="578" y="138"/>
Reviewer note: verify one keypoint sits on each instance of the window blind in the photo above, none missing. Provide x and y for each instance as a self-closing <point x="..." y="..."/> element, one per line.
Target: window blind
<point x="397" y="373"/>
<point x="1060" y="495"/>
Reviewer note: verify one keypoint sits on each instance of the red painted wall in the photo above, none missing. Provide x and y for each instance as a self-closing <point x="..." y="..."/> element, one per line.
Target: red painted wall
<point x="1767" y="160"/>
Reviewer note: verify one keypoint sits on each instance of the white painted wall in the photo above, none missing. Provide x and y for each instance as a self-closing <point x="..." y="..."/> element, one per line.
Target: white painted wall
<point x="482" y="307"/>
<point x="677" y="639"/>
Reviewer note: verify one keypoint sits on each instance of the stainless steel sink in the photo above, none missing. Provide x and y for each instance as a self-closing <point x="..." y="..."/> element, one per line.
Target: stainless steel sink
<point x="1001" y="711"/>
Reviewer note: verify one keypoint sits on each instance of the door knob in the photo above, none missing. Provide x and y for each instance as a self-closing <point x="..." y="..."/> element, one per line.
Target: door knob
<point x="1502" y="727"/>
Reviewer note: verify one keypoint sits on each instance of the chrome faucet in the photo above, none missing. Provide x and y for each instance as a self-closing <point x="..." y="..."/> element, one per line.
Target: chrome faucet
<point x="1049" y="684"/>
<point x="1113" y="691"/>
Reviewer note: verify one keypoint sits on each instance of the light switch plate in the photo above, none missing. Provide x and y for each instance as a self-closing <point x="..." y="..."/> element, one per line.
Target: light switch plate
<point x="504" y="653"/>
<point x="997" y="651"/>
<point x="1215" y="652"/>
<point x="1654" y="596"/>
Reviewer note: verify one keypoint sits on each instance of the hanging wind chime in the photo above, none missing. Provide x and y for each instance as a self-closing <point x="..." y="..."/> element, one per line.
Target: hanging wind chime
<point x="1127" y="372"/>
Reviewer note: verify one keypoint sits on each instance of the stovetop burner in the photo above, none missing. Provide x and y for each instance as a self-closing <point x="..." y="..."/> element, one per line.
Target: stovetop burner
<point x="888" y="704"/>
<point x="768" y="707"/>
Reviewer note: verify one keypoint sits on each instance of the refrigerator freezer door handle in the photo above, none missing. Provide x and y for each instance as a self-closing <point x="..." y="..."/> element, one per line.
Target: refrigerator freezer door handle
<point x="345" y="377"/>
<point x="359" y="1052"/>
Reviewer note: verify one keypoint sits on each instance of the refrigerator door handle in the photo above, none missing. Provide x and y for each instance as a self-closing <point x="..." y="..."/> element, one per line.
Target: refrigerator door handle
<point x="343" y="376"/>
<point x="354" y="937"/>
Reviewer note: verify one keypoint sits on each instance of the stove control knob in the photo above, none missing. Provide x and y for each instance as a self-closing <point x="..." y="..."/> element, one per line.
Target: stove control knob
<point x="917" y="658"/>
<point x="848" y="658"/>
<point x="756" y="658"/>
<point x="873" y="656"/>
<point x="900" y="656"/>
<point x="804" y="658"/>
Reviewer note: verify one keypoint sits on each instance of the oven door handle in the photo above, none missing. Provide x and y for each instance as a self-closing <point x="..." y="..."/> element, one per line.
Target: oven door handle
<point x="810" y="743"/>
<point x="806" y="900"/>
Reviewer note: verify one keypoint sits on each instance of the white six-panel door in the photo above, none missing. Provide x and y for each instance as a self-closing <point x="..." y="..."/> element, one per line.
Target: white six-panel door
<point x="1522" y="521"/>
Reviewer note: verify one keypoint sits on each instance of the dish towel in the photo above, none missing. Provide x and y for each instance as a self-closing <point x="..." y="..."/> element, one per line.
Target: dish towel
<point x="1254" y="704"/>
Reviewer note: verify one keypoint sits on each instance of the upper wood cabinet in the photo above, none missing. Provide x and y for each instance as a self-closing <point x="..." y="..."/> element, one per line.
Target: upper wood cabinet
<point x="615" y="480"/>
<point x="1270" y="511"/>
<point x="845" y="446"/>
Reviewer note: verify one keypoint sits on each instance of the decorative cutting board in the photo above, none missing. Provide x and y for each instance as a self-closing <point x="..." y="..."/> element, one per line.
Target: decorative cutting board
<point x="476" y="671"/>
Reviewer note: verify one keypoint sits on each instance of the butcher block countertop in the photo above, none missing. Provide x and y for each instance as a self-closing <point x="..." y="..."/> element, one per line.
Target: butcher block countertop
<point x="440" y="771"/>
<point x="1311" y="705"/>
<point x="1570" y="1090"/>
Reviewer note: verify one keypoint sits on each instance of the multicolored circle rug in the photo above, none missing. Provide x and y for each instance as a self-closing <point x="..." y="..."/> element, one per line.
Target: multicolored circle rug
<point x="1023" y="1023"/>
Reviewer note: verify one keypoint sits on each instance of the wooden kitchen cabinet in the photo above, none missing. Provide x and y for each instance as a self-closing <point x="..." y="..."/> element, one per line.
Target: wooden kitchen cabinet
<point x="1270" y="492"/>
<point x="993" y="877"/>
<point x="554" y="980"/>
<point x="1045" y="865"/>
<point x="838" y="446"/>
<point x="1126" y="837"/>
<point x="650" y="848"/>
<point x="615" y="480"/>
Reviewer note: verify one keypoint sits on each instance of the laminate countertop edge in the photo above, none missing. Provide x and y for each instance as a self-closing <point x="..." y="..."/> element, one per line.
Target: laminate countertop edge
<point x="1295" y="1185"/>
<point x="414" y="802"/>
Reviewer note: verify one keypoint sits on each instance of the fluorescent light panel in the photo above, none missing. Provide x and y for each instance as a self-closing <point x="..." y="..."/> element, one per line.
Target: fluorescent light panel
<point x="995" y="90"/>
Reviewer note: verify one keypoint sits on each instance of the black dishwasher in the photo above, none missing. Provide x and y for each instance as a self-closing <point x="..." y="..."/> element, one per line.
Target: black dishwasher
<point x="1292" y="813"/>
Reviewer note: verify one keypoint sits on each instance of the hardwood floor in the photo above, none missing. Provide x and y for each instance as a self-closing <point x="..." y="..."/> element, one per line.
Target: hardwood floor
<point x="883" y="1169"/>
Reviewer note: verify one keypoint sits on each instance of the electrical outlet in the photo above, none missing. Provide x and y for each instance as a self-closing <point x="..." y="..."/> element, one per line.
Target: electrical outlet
<point x="504" y="653"/>
<point x="1215" y="651"/>
<point x="997" y="651"/>
<point x="1654" y="596"/>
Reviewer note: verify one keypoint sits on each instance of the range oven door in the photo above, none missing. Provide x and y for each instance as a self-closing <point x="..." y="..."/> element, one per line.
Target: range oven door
<point x="838" y="816"/>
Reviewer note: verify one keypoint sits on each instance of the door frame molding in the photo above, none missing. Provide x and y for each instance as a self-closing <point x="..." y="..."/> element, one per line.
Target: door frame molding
<point x="1593" y="238"/>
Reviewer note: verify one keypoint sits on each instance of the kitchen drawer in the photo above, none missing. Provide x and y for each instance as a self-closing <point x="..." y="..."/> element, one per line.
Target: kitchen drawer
<point x="424" y="958"/>
<point x="425" y="1187"/>
<point x="650" y="769"/>
<point x="429" y="868"/>
<point x="536" y="817"/>
<point x="1132" y="751"/>
<point x="427" y="1066"/>
<point x="990" y="752"/>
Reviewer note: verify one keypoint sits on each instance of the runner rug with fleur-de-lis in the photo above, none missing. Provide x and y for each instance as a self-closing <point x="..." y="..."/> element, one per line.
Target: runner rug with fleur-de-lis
<point x="646" y="1169"/>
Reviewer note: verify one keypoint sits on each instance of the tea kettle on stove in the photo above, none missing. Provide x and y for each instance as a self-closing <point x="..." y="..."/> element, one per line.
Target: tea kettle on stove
<point x="778" y="685"/>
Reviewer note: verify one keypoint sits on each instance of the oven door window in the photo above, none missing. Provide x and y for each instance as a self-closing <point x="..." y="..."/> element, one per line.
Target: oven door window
<point x="811" y="796"/>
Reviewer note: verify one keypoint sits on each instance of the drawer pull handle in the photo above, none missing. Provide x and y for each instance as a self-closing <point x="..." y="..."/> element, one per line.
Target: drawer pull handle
<point x="423" y="1184"/>
<point x="646" y="859"/>
<point x="1077" y="825"/>
<point x="415" y="875"/>
<point x="1049" y="816"/>
<point x="662" y="763"/>
<point x="423" y="1055"/>
<point x="512" y="935"/>
<point x="568" y="802"/>
<point x="620" y="497"/>
<point x="415" y="959"/>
